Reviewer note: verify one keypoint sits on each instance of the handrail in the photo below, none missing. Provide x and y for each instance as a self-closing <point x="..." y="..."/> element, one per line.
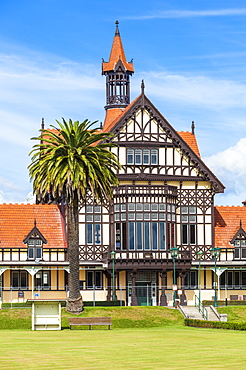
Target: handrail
<point x="202" y="309"/>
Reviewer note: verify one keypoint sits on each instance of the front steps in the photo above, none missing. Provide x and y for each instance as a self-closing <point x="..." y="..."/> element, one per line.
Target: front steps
<point x="192" y="312"/>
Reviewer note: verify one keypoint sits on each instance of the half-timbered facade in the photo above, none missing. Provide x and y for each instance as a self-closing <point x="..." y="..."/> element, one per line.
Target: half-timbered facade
<point x="164" y="202"/>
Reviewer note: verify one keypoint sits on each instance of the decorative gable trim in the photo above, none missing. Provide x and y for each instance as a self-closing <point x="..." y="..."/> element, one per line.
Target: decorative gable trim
<point x="35" y="233"/>
<point x="142" y="102"/>
<point x="240" y="235"/>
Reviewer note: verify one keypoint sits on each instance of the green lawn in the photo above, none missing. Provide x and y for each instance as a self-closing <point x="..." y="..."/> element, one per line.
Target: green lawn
<point x="131" y="344"/>
<point x="235" y="313"/>
<point x="153" y="348"/>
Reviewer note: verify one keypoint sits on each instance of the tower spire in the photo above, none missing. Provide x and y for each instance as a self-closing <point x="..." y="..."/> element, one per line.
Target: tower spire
<point x="117" y="32"/>
<point x="117" y="71"/>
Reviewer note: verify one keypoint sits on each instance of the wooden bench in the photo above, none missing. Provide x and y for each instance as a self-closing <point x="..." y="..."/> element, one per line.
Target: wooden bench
<point x="90" y="321"/>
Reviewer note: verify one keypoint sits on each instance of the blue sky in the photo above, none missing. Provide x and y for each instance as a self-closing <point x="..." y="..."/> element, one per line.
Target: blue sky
<point x="191" y="54"/>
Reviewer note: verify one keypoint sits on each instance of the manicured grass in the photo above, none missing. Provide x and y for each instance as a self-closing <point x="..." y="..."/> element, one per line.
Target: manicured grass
<point x="122" y="317"/>
<point x="235" y="313"/>
<point x="141" y="338"/>
<point x="132" y="317"/>
<point x="171" y="347"/>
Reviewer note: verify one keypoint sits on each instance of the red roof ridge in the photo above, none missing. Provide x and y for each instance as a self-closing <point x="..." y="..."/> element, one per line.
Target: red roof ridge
<point x="109" y="125"/>
<point x="190" y="140"/>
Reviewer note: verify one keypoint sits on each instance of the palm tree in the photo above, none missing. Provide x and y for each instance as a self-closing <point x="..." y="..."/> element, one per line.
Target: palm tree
<point x="69" y="162"/>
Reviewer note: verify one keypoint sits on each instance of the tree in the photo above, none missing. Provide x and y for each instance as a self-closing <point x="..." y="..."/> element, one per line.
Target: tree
<point x="69" y="162"/>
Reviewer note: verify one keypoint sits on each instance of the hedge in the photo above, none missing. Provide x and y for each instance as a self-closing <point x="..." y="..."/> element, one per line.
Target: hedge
<point x="104" y="303"/>
<point x="215" y="324"/>
<point x="223" y="303"/>
<point x="63" y="304"/>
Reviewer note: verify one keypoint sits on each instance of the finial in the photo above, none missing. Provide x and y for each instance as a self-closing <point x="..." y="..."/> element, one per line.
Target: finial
<point x="35" y="222"/>
<point x="240" y="223"/>
<point x="42" y="125"/>
<point x="142" y="87"/>
<point x="101" y="125"/>
<point x="117" y="32"/>
<point x="193" y="128"/>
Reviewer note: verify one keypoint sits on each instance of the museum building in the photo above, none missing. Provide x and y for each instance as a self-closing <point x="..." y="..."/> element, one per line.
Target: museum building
<point x="160" y="238"/>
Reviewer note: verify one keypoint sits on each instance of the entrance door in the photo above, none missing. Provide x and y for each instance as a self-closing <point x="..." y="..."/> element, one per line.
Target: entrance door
<point x="143" y="293"/>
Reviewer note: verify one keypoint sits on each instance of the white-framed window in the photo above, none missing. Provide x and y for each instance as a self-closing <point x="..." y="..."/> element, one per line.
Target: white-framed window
<point x="142" y="156"/>
<point x="188" y="226"/>
<point x="240" y="249"/>
<point x="42" y="280"/>
<point x="144" y="226"/>
<point x="93" y="233"/>
<point x="34" y="249"/>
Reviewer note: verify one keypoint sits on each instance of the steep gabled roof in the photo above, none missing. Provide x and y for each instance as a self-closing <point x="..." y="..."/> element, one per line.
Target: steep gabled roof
<point x="228" y="221"/>
<point x="117" y="54"/>
<point x="185" y="141"/>
<point x="17" y="220"/>
<point x="35" y="233"/>
<point x="114" y="115"/>
<point x="190" y="139"/>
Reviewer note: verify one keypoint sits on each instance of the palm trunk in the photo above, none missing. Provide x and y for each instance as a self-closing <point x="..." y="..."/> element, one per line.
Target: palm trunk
<point x="74" y="301"/>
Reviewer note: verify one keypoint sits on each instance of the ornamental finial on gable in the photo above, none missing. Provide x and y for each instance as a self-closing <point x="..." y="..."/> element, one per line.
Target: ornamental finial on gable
<point x="117" y="32"/>
<point x="193" y="128"/>
<point x="142" y="87"/>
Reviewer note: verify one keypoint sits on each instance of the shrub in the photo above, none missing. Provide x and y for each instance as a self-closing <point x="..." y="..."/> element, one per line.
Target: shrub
<point x="215" y="324"/>
<point x="63" y="304"/>
<point x="104" y="303"/>
<point x="223" y="303"/>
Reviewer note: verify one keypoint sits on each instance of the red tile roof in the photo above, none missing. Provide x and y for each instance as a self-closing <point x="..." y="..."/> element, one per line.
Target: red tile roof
<point x="117" y="53"/>
<point x="227" y="222"/>
<point x="17" y="220"/>
<point x="113" y="116"/>
<point x="190" y="139"/>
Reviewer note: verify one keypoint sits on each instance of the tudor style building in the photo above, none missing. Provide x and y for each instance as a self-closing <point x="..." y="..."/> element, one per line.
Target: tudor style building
<point x="164" y="201"/>
<point x="164" y="198"/>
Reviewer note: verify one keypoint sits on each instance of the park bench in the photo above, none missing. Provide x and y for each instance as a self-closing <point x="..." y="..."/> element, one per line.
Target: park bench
<point x="90" y="321"/>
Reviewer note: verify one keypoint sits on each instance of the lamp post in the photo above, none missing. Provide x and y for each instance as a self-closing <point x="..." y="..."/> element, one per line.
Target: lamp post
<point x="174" y="255"/>
<point x="199" y="257"/>
<point x="112" y="254"/>
<point x="215" y="252"/>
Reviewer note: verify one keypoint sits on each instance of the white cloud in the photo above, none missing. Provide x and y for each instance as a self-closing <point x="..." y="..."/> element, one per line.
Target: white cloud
<point x="35" y="88"/>
<point x="191" y="13"/>
<point x="199" y="91"/>
<point x="230" y="168"/>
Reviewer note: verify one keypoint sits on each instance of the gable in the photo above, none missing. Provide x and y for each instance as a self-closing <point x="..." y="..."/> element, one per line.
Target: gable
<point x="143" y="126"/>
<point x="16" y="224"/>
<point x="229" y="222"/>
<point x="240" y="234"/>
<point x="36" y="234"/>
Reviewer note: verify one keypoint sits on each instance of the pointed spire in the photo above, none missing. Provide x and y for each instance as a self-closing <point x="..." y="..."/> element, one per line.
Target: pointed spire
<point x="117" y="53"/>
<point x="42" y="124"/>
<point x="117" y="71"/>
<point x="117" y="32"/>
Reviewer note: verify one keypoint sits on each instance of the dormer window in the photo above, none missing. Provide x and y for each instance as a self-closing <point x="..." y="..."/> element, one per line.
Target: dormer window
<point x="35" y="249"/>
<point x="34" y="241"/>
<point x="239" y="242"/>
<point x="240" y="249"/>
